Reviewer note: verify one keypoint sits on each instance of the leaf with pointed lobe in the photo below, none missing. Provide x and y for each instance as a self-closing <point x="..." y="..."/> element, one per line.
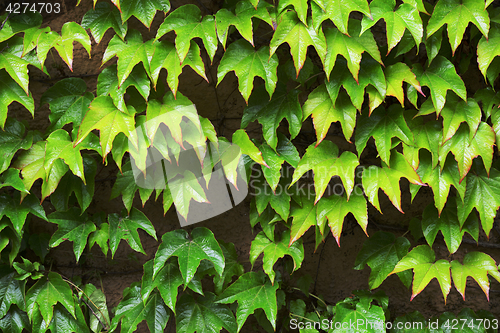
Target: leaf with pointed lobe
<point x="252" y="291"/>
<point x="102" y="18"/>
<point x="298" y="36"/>
<point x="247" y="63"/>
<point x="167" y="281"/>
<point x="304" y="217"/>
<point x="406" y="16"/>
<point x="14" y="321"/>
<point x="72" y="227"/>
<point x="338" y="12"/>
<point x="189" y="250"/>
<point x="274" y="161"/>
<point x="427" y="136"/>
<point x="387" y="179"/>
<point x="421" y="260"/>
<point x="279" y="200"/>
<point x="11" y="290"/>
<point x="336" y="207"/>
<point x="232" y="267"/>
<point x="244" y="12"/>
<point x="323" y="159"/>
<point x="383" y="125"/>
<point x="301" y="7"/>
<point x="397" y="74"/>
<point x="12" y="178"/>
<point x="455" y="112"/>
<point x="465" y="150"/>
<point x="100" y="237"/>
<point x="10" y="91"/>
<point x="143" y="10"/>
<point x="17" y="69"/>
<point x="19" y="23"/>
<point x="17" y="211"/>
<point x="351" y="47"/>
<point x="476" y="265"/>
<point x="457" y="14"/>
<point x="241" y="139"/>
<point x="488" y="49"/>
<point x="188" y="23"/>
<point x="125" y="227"/>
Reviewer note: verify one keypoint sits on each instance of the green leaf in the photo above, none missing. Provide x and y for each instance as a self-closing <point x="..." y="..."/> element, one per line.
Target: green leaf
<point x="97" y="302"/>
<point x="247" y="64"/>
<point x="457" y="14"/>
<point x="447" y="222"/>
<point x="395" y="75"/>
<point x="278" y="198"/>
<point x="427" y="135"/>
<point x="167" y="281"/>
<point x="203" y="315"/>
<point x="440" y="77"/>
<point x="455" y="112"/>
<point x="354" y="311"/>
<point x="274" y="250"/>
<point x="125" y="227"/>
<point x="304" y="217"/>
<point x="132" y="310"/>
<point x="338" y="12"/>
<point x="165" y="56"/>
<point x="231" y="267"/>
<point x="381" y="252"/>
<point x="101" y="237"/>
<point x="488" y="49"/>
<point x="421" y="260"/>
<point x="102" y="18"/>
<point x="14" y="321"/>
<point x="189" y="250"/>
<point x="244" y="12"/>
<point x="46" y="293"/>
<point x="336" y="207"/>
<point x="283" y="105"/>
<point x="11" y="178"/>
<point x="17" y="210"/>
<point x="17" y="68"/>
<point x="109" y="120"/>
<point x="477" y="265"/>
<point x="241" y="139"/>
<point x="298" y="36"/>
<point x="325" y="163"/>
<point x="188" y="23"/>
<point x="11" y="291"/>
<point x="383" y="125"/>
<point x="143" y="10"/>
<point x="10" y="91"/>
<point x="406" y="16"/>
<point x="68" y="100"/>
<point x="253" y="290"/>
<point x="325" y="111"/>
<point x="465" y="150"/>
<point x="482" y="193"/>
<point x="72" y="227"/>
<point x="39" y="243"/>
<point x="301" y="7"/>
<point x="388" y="179"/>
<point x="19" y="23"/>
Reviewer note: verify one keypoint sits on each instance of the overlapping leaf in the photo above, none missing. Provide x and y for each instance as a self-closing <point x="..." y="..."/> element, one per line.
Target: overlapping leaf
<point x="103" y="17"/>
<point x="17" y="211"/>
<point x="338" y="12"/>
<point x="488" y="49"/>
<point x="13" y="139"/>
<point x="10" y="92"/>
<point x="304" y="217"/>
<point x="397" y="74"/>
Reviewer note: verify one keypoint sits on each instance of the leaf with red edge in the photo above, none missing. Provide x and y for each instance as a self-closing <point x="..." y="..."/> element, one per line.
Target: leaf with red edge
<point x="395" y="76"/>
<point x="338" y="12"/>
<point x="301" y="7"/>
<point x="421" y="260"/>
<point x="457" y="111"/>
<point x="143" y="10"/>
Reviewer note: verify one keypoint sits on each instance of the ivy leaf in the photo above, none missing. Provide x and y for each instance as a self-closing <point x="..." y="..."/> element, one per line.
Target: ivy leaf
<point x="439" y="181"/>
<point x="126" y="186"/>
<point x="68" y="100"/>
<point x="457" y="14"/>
<point x="245" y="11"/>
<point x="241" y="139"/>
<point x="11" y="178"/>
<point x="325" y="110"/>
<point x="298" y="36"/>
<point x="487" y="49"/>
<point x="188" y="23"/>
<point x="184" y="190"/>
<point x="301" y="7"/>
<point x="465" y="150"/>
<point x="421" y="260"/>
<point x="46" y="293"/>
<point x="201" y="245"/>
<point x="350" y="47"/>
<point x="132" y="310"/>
<point x="71" y="32"/>
<point x="63" y="322"/>
<point x="15" y="320"/>
<point x="102" y="18"/>
<point x="428" y="135"/>
<point x="323" y="159"/>
<point x="109" y="120"/>
<point x="381" y="252"/>
<point x="449" y="225"/>
<point x="253" y="290"/>
<point x="482" y="193"/>
<point x="336" y="207"/>
<point x="125" y="227"/>
<point x="165" y="56"/>
<point x="477" y="265"/>
<point x="383" y="125"/>
<point x="19" y="23"/>
<point x="279" y="200"/>
<point x="17" y="68"/>
<point x="72" y="227"/>
<point x="17" y="211"/>
<point x="395" y="75"/>
<point x="231" y="267"/>
<point x="270" y="114"/>
<point x="274" y="250"/>
<point x="338" y="12"/>
<point x="143" y="10"/>
<point x="11" y="291"/>
<point x="203" y="315"/>
<point x="10" y="92"/>
<point x="456" y="112"/>
<point x="440" y="77"/>
<point x="247" y="64"/>
<point x="167" y="281"/>
<point x="304" y="217"/>
<point x="388" y="179"/>
<point x="352" y="310"/>
<point x="406" y="16"/>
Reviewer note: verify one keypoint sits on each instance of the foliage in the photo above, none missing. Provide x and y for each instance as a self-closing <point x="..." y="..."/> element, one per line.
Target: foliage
<point x="384" y="105"/>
